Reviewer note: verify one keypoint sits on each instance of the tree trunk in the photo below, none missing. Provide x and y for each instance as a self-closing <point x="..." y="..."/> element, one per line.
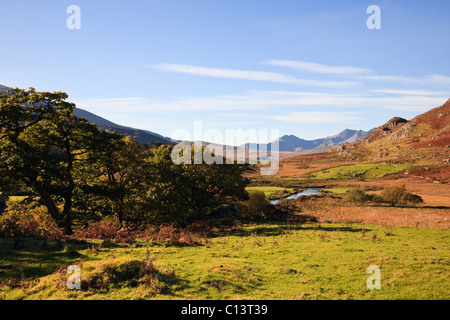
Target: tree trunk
<point x="63" y="219"/>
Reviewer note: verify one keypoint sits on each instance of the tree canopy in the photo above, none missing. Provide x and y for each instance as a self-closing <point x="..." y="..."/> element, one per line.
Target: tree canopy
<point x="79" y="172"/>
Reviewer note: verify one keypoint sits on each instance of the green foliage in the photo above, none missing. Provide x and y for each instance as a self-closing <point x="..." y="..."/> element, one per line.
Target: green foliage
<point x="80" y="173"/>
<point x="393" y="194"/>
<point x="117" y="180"/>
<point x="180" y="190"/>
<point x="398" y="196"/>
<point x="255" y="205"/>
<point x="28" y="220"/>
<point x="42" y="144"/>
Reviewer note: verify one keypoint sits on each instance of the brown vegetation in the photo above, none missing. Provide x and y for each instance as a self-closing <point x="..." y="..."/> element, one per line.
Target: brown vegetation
<point x="330" y="208"/>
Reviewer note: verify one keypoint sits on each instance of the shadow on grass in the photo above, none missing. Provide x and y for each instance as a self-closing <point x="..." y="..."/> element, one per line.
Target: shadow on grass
<point x="270" y="229"/>
<point x="24" y="258"/>
<point x="433" y="207"/>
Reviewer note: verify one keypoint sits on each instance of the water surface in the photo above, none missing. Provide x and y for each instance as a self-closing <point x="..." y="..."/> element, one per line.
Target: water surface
<point x="306" y="192"/>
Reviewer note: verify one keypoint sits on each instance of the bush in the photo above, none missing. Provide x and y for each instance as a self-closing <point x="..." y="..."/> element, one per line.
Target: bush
<point x="170" y="234"/>
<point x="28" y="220"/>
<point x="393" y="195"/>
<point x="256" y="205"/>
<point x="357" y="196"/>
<point x="106" y="230"/>
<point x="201" y="228"/>
<point x="410" y="199"/>
<point x="398" y="196"/>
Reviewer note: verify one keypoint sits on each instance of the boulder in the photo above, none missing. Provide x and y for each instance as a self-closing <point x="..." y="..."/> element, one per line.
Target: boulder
<point x="231" y="210"/>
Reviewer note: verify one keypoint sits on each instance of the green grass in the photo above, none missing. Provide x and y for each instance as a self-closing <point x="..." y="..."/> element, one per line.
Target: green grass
<point x="272" y="192"/>
<point x="339" y="190"/>
<point x="261" y="261"/>
<point x="359" y="171"/>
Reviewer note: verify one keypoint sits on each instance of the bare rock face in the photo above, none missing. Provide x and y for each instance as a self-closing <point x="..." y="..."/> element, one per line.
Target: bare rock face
<point x="395" y="122"/>
<point x="385" y="130"/>
<point x="403" y="133"/>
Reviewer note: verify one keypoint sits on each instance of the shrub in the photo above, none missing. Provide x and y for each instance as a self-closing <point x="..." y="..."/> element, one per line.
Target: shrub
<point x="256" y="205"/>
<point x="175" y="236"/>
<point x="28" y="220"/>
<point x="375" y="198"/>
<point x="201" y="228"/>
<point x="106" y="230"/>
<point x="393" y="195"/>
<point x="410" y="199"/>
<point x="357" y="196"/>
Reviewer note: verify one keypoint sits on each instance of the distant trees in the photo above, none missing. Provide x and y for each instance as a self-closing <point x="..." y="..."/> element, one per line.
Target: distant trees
<point x="78" y="172"/>
<point x="398" y="196"/>
<point x="392" y="195"/>
<point x="358" y="196"/>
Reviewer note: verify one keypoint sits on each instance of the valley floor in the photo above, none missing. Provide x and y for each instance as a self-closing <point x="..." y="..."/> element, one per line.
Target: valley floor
<point x="252" y="261"/>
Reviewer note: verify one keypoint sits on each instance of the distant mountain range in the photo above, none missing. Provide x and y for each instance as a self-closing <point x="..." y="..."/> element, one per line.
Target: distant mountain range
<point x="423" y="141"/>
<point x="289" y="144"/>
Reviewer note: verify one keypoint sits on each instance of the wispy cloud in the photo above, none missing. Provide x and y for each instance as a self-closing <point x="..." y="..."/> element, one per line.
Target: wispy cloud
<point x="250" y="75"/>
<point x="438" y="79"/>
<point x="272" y="100"/>
<point x="317" y="117"/>
<point x="417" y="92"/>
<point x="317" y="68"/>
<point x="427" y="80"/>
<point x="361" y="74"/>
<point x="389" y="78"/>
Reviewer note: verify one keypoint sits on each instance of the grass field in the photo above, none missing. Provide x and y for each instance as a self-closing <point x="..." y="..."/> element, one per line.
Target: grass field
<point x="258" y="261"/>
<point x="338" y="190"/>
<point x="272" y="192"/>
<point x="359" y="171"/>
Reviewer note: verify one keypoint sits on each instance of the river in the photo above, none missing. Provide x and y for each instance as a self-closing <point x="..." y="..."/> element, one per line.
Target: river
<point x="306" y="192"/>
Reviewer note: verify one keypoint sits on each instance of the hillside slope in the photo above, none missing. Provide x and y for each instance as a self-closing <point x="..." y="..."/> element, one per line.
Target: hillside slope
<point x="423" y="143"/>
<point x="142" y="136"/>
<point x="425" y="138"/>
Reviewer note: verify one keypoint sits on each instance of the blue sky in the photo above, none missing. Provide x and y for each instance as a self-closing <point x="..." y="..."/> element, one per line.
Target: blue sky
<point x="306" y="68"/>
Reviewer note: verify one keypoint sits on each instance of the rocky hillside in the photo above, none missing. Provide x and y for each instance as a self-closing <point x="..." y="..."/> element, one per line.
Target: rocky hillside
<point x="423" y="139"/>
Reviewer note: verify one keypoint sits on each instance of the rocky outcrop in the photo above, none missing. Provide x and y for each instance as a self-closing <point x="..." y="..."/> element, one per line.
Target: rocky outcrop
<point x="232" y="210"/>
<point x="395" y="122"/>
